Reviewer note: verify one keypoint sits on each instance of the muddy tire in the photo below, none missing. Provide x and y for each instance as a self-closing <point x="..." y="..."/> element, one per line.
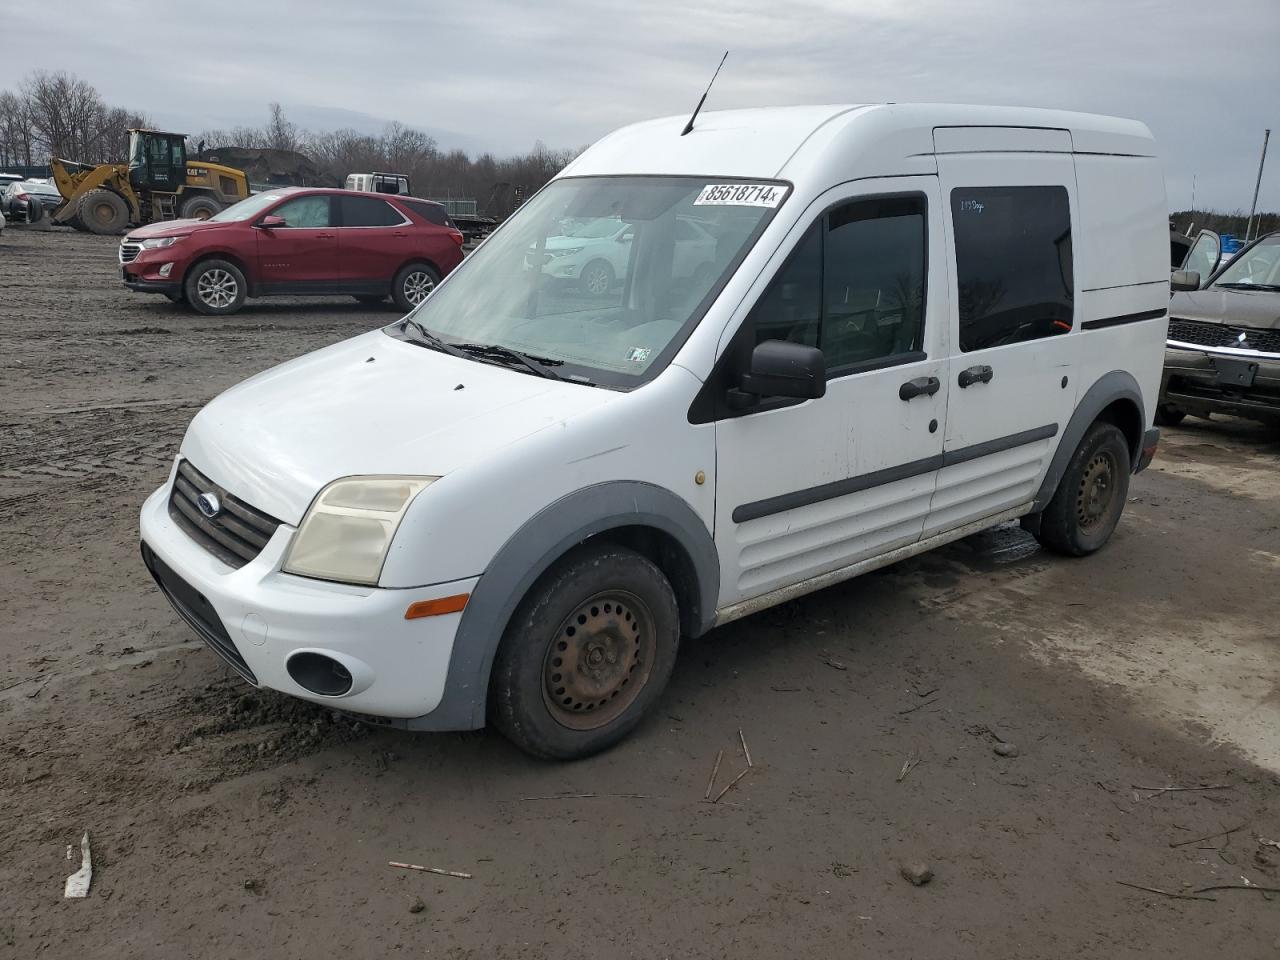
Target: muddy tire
<point x="413" y="284"/>
<point x="103" y="212"/>
<point x="199" y="207"/>
<point x="215" y="288"/>
<point x="1091" y="495"/>
<point x="1167" y="415"/>
<point x="586" y="654"/>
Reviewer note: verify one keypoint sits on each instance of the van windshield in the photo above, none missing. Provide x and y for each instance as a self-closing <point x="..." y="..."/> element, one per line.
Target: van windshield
<point x="603" y="277"/>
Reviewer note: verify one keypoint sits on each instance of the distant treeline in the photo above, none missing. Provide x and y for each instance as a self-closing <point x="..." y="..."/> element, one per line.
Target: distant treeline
<point x="1233" y="223"/>
<point x="498" y="184"/>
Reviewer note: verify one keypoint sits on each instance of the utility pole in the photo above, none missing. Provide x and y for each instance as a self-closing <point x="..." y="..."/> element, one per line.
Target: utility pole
<point x="1253" y="208"/>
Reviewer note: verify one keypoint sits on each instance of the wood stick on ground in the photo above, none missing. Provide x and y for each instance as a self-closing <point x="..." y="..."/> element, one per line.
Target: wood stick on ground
<point x="435" y="870"/>
<point x="908" y="765"/>
<point x="592" y="796"/>
<point x="1164" y="893"/>
<point x="918" y="706"/>
<point x="745" y="752"/>
<point x="714" y="770"/>
<point x="1156" y="791"/>
<point x="732" y="784"/>
<point x="1239" y="886"/>
<point x="1212" y="836"/>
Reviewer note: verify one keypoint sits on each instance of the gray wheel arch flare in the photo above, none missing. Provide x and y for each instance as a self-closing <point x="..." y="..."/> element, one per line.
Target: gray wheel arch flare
<point x="546" y="537"/>
<point x="1110" y="387"/>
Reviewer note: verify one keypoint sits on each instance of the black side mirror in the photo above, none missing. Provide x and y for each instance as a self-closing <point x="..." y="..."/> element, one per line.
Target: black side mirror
<point x="780" y="368"/>
<point x="1184" y="280"/>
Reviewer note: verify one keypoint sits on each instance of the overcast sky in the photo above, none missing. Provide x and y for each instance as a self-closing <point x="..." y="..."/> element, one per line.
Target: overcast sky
<point x="500" y="74"/>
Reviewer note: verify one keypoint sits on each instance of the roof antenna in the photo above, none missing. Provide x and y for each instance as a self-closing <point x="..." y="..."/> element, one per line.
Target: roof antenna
<point x="689" y="126"/>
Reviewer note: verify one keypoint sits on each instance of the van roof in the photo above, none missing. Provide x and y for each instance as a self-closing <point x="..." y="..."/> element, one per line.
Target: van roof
<point x="878" y="139"/>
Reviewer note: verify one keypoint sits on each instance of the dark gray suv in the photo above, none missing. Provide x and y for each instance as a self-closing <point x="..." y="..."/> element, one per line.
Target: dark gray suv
<point x="1223" y="351"/>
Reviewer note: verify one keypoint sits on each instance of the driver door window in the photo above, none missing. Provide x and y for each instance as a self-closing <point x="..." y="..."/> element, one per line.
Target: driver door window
<point x="854" y="288"/>
<point x="306" y="212"/>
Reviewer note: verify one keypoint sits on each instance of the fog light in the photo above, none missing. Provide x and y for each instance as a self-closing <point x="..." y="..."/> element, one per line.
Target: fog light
<point x="164" y="271"/>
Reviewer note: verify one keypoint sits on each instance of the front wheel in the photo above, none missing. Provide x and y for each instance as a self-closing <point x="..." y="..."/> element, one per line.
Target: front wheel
<point x="597" y="278"/>
<point x="215" y="288"/>
<point x="413" y="284"/>
<point x="1091" y="495"/>
<point x="586" y="654"/>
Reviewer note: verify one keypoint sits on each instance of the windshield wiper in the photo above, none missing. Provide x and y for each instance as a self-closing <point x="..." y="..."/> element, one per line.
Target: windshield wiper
<point x="539" y="365"/>
<point x="432" y="341"/>
<point x="1249" y="286"/>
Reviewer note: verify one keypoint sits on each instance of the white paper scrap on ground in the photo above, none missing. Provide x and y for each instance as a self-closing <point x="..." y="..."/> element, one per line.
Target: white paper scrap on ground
<point x="78" y="882"/>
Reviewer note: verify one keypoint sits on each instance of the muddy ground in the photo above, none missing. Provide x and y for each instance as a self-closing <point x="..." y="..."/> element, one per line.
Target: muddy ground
<point x="231" y="822"/>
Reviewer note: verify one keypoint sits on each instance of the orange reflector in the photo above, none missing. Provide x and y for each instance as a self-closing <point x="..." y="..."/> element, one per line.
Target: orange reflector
<point x="434" y="608"/>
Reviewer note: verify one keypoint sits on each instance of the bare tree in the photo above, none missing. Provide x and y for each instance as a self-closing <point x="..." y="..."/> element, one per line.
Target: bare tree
<point x="280" y="134"/>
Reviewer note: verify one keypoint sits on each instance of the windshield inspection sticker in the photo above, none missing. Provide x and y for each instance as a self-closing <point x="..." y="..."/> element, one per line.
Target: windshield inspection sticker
<point x="638" y="354"/>
<point x="740" y="195"/>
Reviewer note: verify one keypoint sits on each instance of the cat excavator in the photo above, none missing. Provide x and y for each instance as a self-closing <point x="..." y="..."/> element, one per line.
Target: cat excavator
<point x="158" y="182"/>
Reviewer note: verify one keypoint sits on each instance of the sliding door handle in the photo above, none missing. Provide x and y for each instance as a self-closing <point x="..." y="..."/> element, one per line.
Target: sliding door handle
<point x="921" y="386"/>
<point x="979" y="374"/>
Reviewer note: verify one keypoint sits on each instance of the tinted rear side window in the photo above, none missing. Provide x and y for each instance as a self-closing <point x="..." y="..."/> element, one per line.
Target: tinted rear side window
<point x="368" y="212"/>
<point x="431" y="212"/>
<point x="1013" y="264"/>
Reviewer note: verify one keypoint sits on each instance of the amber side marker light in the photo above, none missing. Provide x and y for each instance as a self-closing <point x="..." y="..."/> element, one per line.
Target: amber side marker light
<point x="436" y="608"/>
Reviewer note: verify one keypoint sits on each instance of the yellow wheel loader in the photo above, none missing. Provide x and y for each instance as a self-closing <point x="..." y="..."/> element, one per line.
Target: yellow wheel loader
<point x="157" y="183"/>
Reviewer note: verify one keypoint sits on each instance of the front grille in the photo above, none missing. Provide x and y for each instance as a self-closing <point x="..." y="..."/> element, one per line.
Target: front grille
<point x="129" y="251"/>
<point x="235" y="535"/>
<point x="197" y="611"/>
<point x="1221" y="335"/>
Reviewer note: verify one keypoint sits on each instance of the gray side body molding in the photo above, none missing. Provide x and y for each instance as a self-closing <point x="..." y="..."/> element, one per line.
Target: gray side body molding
<point x="526" y="556"/>
<point x="1116" y="385"/>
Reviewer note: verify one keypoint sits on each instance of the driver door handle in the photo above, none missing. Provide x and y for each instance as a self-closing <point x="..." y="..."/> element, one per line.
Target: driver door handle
<point x="979" y="374"/>
<point x="921" y="386"/>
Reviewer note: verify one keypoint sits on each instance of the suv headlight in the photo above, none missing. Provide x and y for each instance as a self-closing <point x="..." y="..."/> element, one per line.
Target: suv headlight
<point x="159" y="243"/>
<point x="347" y="530"/>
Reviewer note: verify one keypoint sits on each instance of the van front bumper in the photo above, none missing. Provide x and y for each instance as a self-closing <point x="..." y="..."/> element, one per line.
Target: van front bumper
<point x="257" y="618"/>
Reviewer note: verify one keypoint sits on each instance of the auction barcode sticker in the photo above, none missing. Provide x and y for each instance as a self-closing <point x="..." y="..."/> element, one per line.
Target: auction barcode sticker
<point x="741" y="195"/>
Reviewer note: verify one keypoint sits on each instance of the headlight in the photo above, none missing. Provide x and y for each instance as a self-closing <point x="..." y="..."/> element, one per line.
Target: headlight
<point x="567" y="252"/>
<point x="347" y="531"/>
<point x="159" y="243"/>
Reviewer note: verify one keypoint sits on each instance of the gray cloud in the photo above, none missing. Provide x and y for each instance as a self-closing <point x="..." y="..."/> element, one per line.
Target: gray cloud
<point x="503" y="73"/>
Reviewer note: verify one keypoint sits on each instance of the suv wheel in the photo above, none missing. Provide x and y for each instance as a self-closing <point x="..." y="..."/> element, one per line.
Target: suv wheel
<point x="597" y="278"/>
<point x="215" y="287"/>
<point x="1091" y="494"/>
<point x="586" y="654"/>
<point x="413" y="284"/>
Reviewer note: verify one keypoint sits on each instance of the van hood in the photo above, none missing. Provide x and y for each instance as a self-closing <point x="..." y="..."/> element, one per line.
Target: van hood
<point x="1257" y="309"/>
<point x="172" y="228"/>
<point x="371" y="405"/>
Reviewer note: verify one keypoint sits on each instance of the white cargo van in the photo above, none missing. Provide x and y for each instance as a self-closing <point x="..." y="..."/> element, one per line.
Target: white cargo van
<point x="909" y="323"/>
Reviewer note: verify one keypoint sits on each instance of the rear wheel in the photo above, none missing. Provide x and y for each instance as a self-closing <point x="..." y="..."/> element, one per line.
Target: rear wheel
<point x="1091" y="495"/>
<point x="413" y="284"/>
<point x="103" y="212"/>
<point x="215" y="287"/>
<point x="199" y="207"/>
<point x="586" y="654"/>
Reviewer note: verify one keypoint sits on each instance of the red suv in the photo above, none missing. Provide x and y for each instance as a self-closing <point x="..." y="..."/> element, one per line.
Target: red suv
<point x="297" y="242"/>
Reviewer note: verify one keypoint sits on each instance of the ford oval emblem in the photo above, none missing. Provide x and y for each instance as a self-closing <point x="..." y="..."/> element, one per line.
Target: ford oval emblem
<point x="209" y="505"/>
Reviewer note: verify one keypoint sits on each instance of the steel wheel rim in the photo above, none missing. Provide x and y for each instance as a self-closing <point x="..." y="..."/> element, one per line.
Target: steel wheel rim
<point x="217" y="288"/>
<point x="596" y="281"/>
<point x="599" y="660"/>
<point x="1097" y="491"/>
<point x="417" y="286"/>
